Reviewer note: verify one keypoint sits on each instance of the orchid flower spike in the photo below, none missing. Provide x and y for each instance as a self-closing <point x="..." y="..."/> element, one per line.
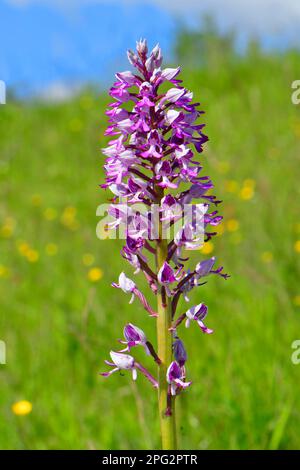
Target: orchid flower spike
<point x="155" y="172"/>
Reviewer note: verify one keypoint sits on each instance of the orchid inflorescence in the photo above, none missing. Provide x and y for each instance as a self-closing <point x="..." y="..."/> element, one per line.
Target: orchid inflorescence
<point x="155" y="137"/>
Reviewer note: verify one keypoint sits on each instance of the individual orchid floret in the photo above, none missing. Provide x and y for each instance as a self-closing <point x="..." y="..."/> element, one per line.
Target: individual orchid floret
<point x="166" y="274"/>
<point x="128" y="78"/>
<point x="204" y="267"/>
<point x="170" y="73"/>
<point x="122" y="361"/>
<point x="179" y="352"/>
<point x="134" y="336"/>
<point x="128" y="286"/>
<point x="176" y="378"/>
<point x="198" y="313"/>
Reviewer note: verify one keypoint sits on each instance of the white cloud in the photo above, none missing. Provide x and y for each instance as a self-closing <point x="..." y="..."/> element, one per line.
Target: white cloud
<point x="252" y="16"/>
<point x="59" y="92"/>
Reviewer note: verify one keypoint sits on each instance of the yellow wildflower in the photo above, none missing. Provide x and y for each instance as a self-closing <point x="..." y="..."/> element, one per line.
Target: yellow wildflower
<point x="22" y="408"/>
<point x="68" y="218"/>
<point x="246" y="193"/>
<point x="32" y="256"/>
<point x="95" y="274"/>
<point x="232" y="225"/>
<point x="297" y="246"/>
<point x="297" y="227"/>
<point x="296" y="300"/>
<point x="23" y="247"/>
<point x="207" y="248"/>
<point x="70" y="211"/>
<point x="6" y="231"/>
<point x="8" y="227"/>
<point x="4" y="272"/>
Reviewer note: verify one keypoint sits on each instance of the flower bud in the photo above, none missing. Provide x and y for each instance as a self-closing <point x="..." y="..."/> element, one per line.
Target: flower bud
<point x="141" y="47"/>
<point x="204" y="267"/>
<point x="132" y="57"/>
<point x="179" y="352"/>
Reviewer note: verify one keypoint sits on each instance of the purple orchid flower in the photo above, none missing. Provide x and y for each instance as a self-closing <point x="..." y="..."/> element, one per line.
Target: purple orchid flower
<point x="166" y="274"/>
<point x="122" y="361"/>
<point x="204" y="267"/>
<point x="176" y="378"/>
<point x="128" y="286"/>
<point x="134" y="336"/>
<point x="198" y="313"/>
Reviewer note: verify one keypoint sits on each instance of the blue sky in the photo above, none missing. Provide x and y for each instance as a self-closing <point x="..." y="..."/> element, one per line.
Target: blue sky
<point x="47" y="42"/>
<point x="43" y="44"/>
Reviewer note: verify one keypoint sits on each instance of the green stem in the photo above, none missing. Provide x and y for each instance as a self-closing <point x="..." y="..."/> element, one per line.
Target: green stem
<point x="164" y="342"/>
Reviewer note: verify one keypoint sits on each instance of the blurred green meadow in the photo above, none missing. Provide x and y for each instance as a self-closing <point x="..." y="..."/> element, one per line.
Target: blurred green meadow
<point x="60" y="317"/>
